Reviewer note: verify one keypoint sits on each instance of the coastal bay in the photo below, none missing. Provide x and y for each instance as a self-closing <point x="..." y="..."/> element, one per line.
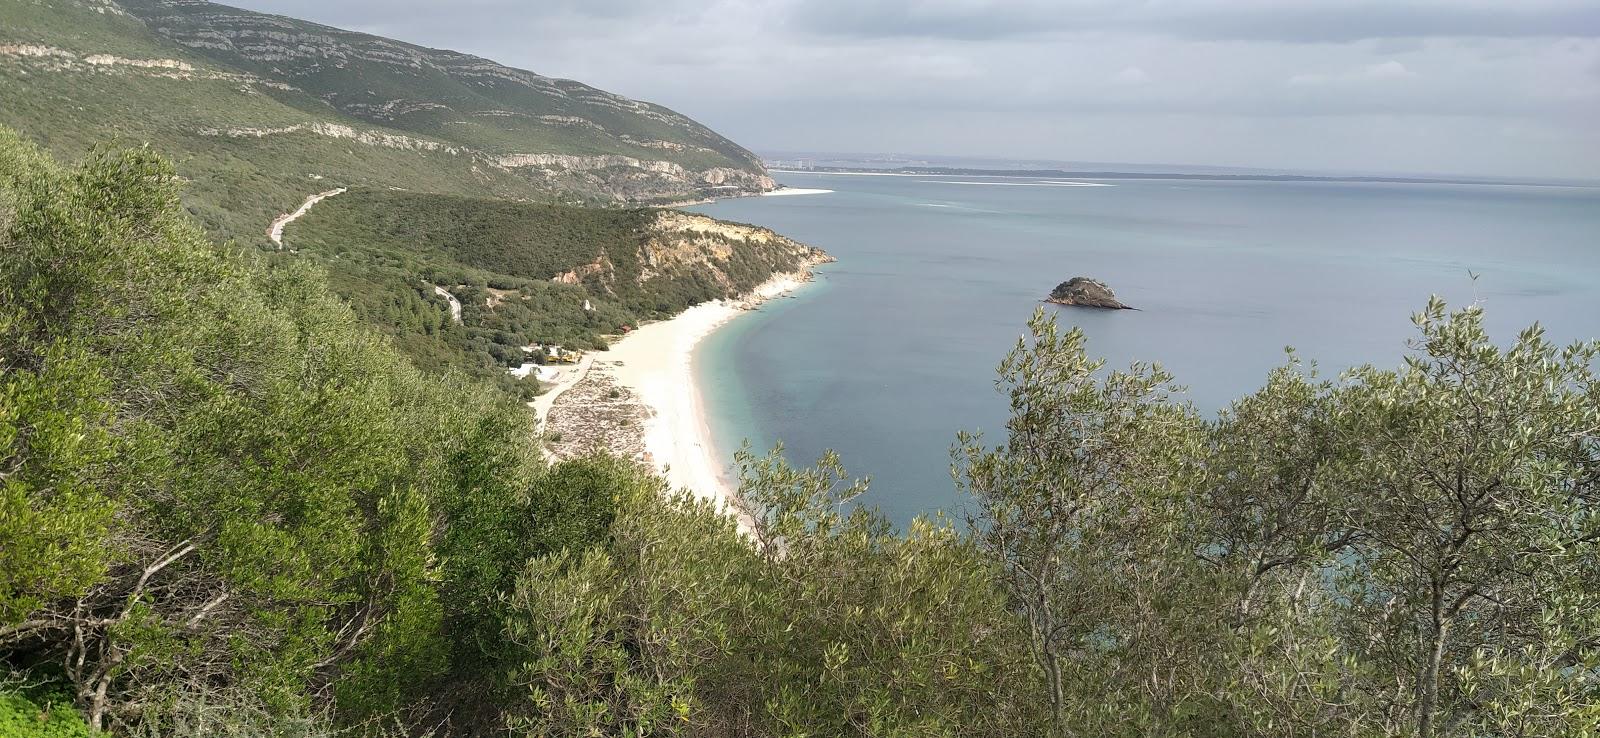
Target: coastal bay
<point x="895" y="352"/>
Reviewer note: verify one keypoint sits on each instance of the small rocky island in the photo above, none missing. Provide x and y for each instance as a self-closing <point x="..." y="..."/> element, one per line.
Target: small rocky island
<point x="1085" y="292"/>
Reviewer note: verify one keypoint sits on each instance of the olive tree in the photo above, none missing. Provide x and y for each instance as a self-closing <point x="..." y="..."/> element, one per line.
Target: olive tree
<point x="1406" y="552"/>
<point x="1078" y="500"/>
<point x="1469" y="599"/>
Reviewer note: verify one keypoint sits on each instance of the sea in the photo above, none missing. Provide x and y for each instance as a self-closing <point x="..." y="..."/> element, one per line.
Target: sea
<point x="892" y="350"/>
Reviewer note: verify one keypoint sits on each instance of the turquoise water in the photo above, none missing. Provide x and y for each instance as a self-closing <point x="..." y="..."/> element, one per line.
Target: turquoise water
<point x="893" y="349"/>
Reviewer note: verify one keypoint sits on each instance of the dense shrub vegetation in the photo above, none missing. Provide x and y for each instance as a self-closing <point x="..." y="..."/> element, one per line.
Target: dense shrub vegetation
<point x="227" y="507"/>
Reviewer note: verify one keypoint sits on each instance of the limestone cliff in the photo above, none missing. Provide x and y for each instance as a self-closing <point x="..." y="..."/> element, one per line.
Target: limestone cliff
<point x="678" y="246"/>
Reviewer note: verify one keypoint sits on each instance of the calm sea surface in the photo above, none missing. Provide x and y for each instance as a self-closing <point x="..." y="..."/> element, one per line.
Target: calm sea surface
<point x="893" y="349"/>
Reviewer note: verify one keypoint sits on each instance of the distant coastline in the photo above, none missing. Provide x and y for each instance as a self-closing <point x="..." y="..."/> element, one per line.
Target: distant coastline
<point x="1209" y="177"/>
<point x="779" y="191"/>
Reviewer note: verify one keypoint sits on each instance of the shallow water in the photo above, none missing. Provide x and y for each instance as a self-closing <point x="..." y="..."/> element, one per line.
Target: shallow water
<point x="893" y="349"/>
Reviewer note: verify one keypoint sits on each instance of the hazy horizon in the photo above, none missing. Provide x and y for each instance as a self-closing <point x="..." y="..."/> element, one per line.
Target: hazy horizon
<point x="775" y="158"/>
<point x="1458" y="87"/>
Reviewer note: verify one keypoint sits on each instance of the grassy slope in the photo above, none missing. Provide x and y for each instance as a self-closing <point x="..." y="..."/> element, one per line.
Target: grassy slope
<point x="520" y="240"/>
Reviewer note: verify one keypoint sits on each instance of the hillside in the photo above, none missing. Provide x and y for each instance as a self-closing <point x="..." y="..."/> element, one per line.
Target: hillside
<point x="259" y="111"/>
<point x="553" y="131"/>
<point x="456" y="173"/>
<point x="523" y="272"/>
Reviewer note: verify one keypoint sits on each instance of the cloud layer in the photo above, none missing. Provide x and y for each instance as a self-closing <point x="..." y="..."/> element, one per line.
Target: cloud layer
<point x="1448" y="86"/>
<point x="1306" y="21"/>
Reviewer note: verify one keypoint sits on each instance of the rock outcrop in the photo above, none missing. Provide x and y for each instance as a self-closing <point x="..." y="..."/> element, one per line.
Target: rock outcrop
<point x="695" y="249"/>
<point x="1085" y="292"/>
<point x="679" y="245"/>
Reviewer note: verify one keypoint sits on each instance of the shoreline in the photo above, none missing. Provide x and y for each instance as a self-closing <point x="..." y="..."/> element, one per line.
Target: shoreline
<point x="659" y="368"/>
<point x="648" y="380"/>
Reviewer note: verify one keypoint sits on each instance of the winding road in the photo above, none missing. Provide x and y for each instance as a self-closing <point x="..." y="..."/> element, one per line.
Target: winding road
<point x="455" y="305"/>
<point x="276" y="231"/>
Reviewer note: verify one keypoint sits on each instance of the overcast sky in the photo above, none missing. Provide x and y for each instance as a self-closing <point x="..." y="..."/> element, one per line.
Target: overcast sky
<point x="1500" y="87"/>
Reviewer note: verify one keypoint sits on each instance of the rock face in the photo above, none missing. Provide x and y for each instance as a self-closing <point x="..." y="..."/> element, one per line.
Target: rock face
<point x="1085" y="292"/>
<point x="681" y="246"/>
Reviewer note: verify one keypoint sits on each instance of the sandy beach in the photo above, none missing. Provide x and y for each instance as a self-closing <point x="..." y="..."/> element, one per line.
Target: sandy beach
<point x="641" y="400"/>
<point x="786" y="191"/>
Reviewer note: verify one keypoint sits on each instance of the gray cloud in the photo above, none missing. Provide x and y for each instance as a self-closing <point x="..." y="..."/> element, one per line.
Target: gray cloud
<point x="1472" y="86"/>
<point x="1318" y="21"/>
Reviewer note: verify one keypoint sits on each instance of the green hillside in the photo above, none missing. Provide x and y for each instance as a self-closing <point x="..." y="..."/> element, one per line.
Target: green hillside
<point x="461" y="173"/>
<point x="455" y="97"/>
<point x="255" y="137"/>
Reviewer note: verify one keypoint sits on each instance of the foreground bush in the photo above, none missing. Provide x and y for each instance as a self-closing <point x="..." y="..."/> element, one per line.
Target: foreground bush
<point x="212" y="475"/>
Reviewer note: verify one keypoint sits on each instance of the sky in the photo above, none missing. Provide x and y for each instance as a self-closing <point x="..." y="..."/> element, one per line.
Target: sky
<point x="1480" y="87"/>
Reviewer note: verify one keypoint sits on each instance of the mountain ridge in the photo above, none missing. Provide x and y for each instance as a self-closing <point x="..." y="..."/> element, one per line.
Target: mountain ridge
<point x="235" y="88"/>
<point x="423" y="81"/>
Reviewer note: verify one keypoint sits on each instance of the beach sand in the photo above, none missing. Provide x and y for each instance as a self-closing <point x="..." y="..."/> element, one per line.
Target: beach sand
<point x="783" y="191"/>
<point x="653" y="367"/>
